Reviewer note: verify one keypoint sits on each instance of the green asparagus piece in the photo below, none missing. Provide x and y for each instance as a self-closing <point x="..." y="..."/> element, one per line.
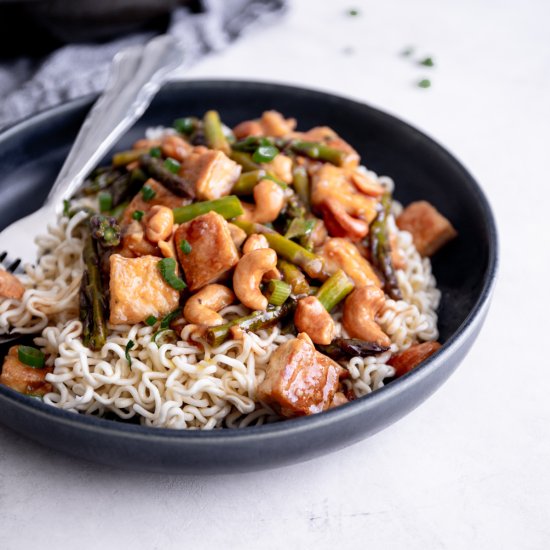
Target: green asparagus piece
<point x="228" y="207"/>
<point x="300" y="182"/>
<point x="100" y="179"/>
<point x="126" y="157"/>
<point x="334" y="290"/>
<point x="318" y="151"/>
<point x="343" y="349"/>
<point x="380" y="248"/>
<point x="246" y="183"/>
<point x="299" y="227"/>
<point x="213" y="132"/>
<point x="93" y="311"/>
<point x="245" y="160"/>
<point x="286" y="249"/>
<point x="294" y="277"/>
<point x="255" y="321"/>
<point x="175" y="183"/>
<point x="105" y="230"/>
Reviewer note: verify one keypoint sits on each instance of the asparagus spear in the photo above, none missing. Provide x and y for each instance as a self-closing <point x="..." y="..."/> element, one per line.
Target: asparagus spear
<point x="126" y="157"/>
<point x="342" y="349"/>
<point x="228" y="207"/>
<point x="380" y="247"/>
<point x="312" y="264"/>
<point x="245" y="160"/>
<point x="105" y="230"/>
<point x="318" y="151"/>
<point x="248" y="180"/>
<point x="334" y="290"/>
<point x="300" y="181"/>
<point x="93" y="311"/>
<point x="156" y="169"/>
<point x="100" y="179"/>
<point x="294" y="277"/>
<point x="127" y="185"/>
<point x="255" y="321"/>
<point x="213" y="132"/>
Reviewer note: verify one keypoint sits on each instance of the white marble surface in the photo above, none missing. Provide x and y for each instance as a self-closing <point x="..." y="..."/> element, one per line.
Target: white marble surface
<point x="470" y="467"/>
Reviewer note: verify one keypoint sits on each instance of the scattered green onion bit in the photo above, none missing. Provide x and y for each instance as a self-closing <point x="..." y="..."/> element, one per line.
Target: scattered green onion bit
<point x="427" y="62"/>
<point x="265" y="153"/>
<point x="167" y="268"/>
<point x="155" y="152"/>
<point x="165" y="323"/>
<point x="147" y="193"/>
<point x="424" y="83"/>
<point x="172" y="165"/>
<point x="277" y="292"/>
<point x="407" y="52"/>
<point x="66" y="208"/>
<point x="353" y="12"/>
<point x="185" y="247"/>
<point x="105" y="201"/>
<point x="129" y="346"/>
<point x="184" y="125"/>
<point x="32" y="357"/>
<point x="151" y="320"/>
<point x="137" y="215"/>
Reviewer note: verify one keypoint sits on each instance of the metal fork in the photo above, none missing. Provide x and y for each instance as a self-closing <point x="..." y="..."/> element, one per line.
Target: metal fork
<point x="137" y="74"/>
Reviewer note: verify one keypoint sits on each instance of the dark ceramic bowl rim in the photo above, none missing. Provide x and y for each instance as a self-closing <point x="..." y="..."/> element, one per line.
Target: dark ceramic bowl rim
<point x="296" y="425"/>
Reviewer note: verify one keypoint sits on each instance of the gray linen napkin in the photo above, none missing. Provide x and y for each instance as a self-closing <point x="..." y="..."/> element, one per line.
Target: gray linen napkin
<point x="78" y="69"/>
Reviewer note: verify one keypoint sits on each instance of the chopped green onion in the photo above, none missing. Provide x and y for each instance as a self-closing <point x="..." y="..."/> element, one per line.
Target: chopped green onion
<point x="353" y="12"/>
<point x="424" y="83"/>
<point x="334" y="290"/>
<point x="105" y="201"/>
<point x="129" y="346"/>
<point x="155" y="152"/>
<point x="427" y="62"/>
<point x="137" y="215"/>
<point x="147" y="192"/>
<point x="172" y="165"/>
<point x="151" y="320"/>
<point x="66" y="208"/>
<point x="184" y="125"/>
<point x="165" y="323"/>
<point x="277" y="292"/>
<point x="167" y="267"/>
<point x="32" y="357"/>
<point x="185" y="247"/>
<point x="407" y="52"/>
<point x="265" y="153"/>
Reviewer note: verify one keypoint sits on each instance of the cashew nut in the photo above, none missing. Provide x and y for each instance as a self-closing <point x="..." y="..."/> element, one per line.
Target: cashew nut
<point x="360" y="310"/>
<point x="159" y="223"/>
<point x="248" y="276"/>
<point x="281" y="167"/>
<point x="202" y="308"/>
<point x="238" y="235"/>
<point x="175" y="147"/>
<point x="255" y="242"/>
<point x="340" y="223"/>
<point x="313" y="319"/>
<point x="269" y="198"/>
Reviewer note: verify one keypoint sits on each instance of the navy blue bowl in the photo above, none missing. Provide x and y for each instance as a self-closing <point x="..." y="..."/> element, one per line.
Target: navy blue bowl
<point x="31" y="153"/>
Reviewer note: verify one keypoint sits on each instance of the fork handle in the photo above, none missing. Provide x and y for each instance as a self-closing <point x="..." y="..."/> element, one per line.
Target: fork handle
<point x="137" y="74"/>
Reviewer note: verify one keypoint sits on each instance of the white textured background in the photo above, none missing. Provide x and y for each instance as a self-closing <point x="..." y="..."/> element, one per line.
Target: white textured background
<point x="470" y="468"/>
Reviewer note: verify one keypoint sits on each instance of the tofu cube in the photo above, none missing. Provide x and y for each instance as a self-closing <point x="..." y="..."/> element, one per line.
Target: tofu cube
<point x="429" y="229"/>
<point x="299" y="380"/>
<point x="213" y="251"/>
<point x="138" y="290"/>
<point x="21" y="377"/>
<point x="212" y="173"/>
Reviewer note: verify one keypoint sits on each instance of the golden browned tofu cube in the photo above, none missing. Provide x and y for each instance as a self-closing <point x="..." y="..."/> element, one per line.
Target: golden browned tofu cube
<point x="299" y="380"/>
<point x="429" y="229"/>
<point x="10" y="286"/>
<point x="212" y="173"/>
<point x="162" y="197"/>
<point x="21" y="377"/>
<point x="213" y="251"/>
<point x="138" y="290"/>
